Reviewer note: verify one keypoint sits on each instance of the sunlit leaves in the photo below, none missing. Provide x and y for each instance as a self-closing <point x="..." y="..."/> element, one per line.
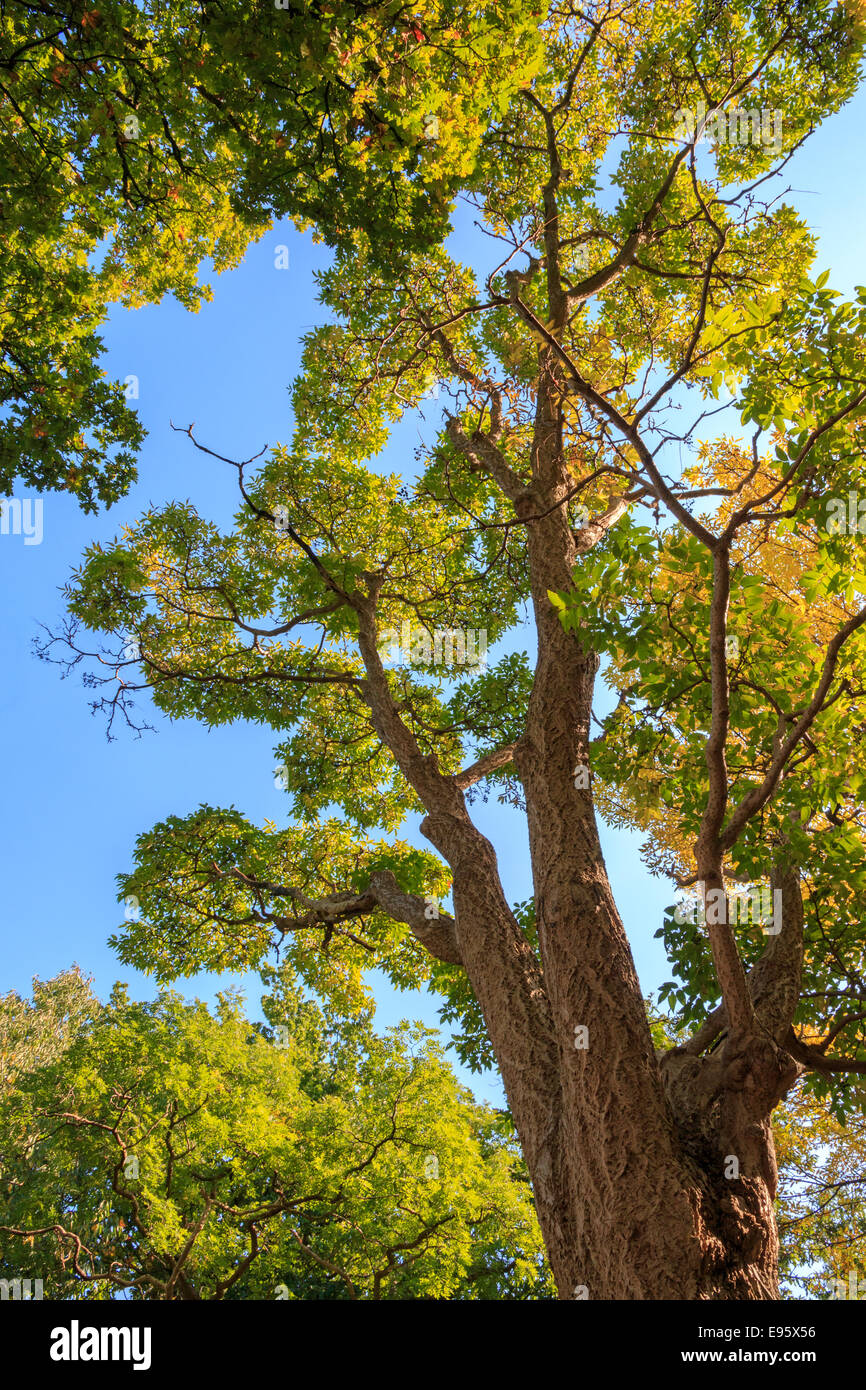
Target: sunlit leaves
<point x="140" y="141"/>
<point x="216" y="892"/>
<point x="187" y="1152"/>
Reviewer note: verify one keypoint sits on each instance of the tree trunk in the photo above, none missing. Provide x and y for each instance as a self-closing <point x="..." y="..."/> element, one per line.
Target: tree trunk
<point x="653" y="1179"/>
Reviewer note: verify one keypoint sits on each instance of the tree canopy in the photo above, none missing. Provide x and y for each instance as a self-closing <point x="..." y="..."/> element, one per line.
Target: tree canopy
<point x="141" y="140"/>
<point x="650" y="411"/>
<point x="170" y="1152"/>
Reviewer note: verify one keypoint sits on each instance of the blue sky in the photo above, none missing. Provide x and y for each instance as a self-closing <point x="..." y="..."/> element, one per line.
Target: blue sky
<point x="74" y="802"/>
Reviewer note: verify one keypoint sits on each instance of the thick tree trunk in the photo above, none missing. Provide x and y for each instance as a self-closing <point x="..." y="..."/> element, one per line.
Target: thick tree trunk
<point x="651" y="1181"/>
<point x="504" y="974"/>
<point x="653" y="1177"/>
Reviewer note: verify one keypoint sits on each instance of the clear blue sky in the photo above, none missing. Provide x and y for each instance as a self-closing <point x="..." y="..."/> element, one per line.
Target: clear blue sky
<point x="73" y="803"/>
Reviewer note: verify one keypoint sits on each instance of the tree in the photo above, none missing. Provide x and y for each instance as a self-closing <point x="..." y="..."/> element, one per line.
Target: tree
<point x="822" y="1185"/>
<point x="139" y="140"/>
<point x="172" y="1153"/>
<point x="576" y="365"/>
<point x="34" y="1033"/>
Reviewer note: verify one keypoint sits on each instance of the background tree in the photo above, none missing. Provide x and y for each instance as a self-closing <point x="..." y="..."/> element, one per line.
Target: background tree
<point x="821" y="1211"/>
<point x="129" y="1067"/>
<point x="36" y="1032"/>
<point x="176" y="1153"/>
<point x="578" y="364"/>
